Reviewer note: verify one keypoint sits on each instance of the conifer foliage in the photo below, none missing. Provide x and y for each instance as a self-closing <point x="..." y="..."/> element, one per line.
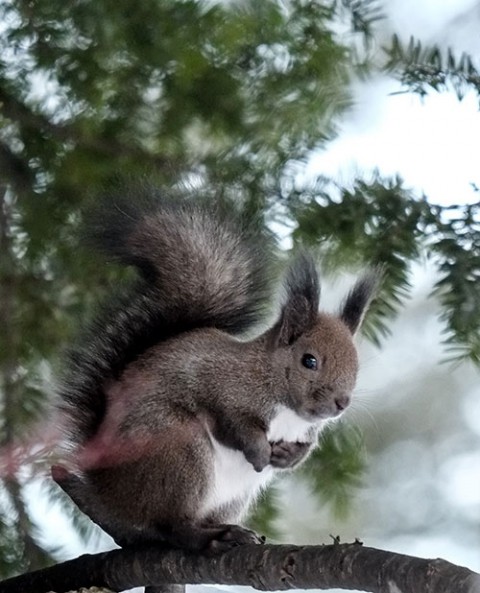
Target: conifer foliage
<point x="227" y="96"/>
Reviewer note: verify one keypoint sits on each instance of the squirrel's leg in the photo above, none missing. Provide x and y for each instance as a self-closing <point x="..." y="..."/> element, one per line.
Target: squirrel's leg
<point x="159" y="496"/>
<point x="77" y="490"/>
<point x="245" y="433"/>
<point x="185" y="491"/>
<point x="215" y="537"/>
<point x="224" y="517"/>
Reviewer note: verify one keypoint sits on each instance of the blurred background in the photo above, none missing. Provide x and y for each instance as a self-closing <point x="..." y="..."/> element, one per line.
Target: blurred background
<point x="353" y="126"/>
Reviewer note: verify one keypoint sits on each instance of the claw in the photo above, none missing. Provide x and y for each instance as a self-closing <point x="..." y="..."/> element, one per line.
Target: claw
<point x="233" y="536"/>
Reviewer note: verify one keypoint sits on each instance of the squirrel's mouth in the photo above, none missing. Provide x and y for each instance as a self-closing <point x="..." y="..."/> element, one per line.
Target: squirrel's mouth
<point x="316" y="412"/>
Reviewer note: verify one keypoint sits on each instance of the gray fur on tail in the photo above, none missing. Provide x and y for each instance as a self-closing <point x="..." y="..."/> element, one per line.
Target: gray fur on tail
<point x="200" y="265"/>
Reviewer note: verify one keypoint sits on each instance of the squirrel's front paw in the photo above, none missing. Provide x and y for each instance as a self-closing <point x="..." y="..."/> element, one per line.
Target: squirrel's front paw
<point x="288" y="454"/>
<point x="259" y="456"/>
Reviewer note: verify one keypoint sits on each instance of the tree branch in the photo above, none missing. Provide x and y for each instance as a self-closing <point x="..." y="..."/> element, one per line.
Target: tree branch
<point x="14" y="169"/>
<point x="269" y="568"/>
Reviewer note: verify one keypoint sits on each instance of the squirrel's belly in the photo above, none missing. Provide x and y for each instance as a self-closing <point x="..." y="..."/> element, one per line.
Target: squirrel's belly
<point x="234" y="478"/>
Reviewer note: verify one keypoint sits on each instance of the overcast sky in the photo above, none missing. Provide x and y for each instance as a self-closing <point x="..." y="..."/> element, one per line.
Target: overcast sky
<point x="433" y="143"/>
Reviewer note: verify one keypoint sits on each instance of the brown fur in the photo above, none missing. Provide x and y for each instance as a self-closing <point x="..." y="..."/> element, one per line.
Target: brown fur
<point x="145" y="451"/>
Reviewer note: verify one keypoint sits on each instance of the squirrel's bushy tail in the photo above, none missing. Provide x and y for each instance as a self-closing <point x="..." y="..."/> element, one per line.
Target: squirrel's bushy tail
<point x="206" y="264"/>
<point x="201" y="265"/>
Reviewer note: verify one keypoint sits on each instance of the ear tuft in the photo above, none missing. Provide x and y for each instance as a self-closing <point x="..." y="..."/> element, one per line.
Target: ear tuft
<point x="300" y="311"/>
<point x="359" y="298"/>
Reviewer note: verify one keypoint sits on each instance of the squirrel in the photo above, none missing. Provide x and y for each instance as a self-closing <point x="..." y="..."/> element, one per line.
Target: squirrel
<point x="174" y="421"/>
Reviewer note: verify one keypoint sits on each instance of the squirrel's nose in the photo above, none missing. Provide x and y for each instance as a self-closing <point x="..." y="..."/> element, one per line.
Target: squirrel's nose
<point x="342" y="402"/>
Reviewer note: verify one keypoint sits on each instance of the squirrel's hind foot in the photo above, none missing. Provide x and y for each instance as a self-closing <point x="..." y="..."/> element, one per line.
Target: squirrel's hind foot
<point x="231" y="536"/>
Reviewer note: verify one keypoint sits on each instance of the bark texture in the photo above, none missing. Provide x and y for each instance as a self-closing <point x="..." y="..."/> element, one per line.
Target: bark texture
<point x="269" y="568"/>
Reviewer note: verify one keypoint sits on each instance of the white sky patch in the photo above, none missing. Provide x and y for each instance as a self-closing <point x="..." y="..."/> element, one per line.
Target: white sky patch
<point x="461" y="475"/>
<point x="451" y="23"/>
<point x="56" y="526"/>
<point x="426" y="17"/>
<point x="471" y="410"/>
<point x="433" y="144"/>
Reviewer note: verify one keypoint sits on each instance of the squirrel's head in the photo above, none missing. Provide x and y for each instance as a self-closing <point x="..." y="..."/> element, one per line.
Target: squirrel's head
<point x="314" y="354"/>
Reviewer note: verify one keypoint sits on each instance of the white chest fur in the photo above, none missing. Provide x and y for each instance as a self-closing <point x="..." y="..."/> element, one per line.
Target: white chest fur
<point x="288" y="426"/>
<point x="235" y="477"/>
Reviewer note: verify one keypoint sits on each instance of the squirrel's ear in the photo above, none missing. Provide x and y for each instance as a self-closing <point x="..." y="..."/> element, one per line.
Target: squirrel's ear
<point x="359" y="298"/>
<point x="300" y="311"/>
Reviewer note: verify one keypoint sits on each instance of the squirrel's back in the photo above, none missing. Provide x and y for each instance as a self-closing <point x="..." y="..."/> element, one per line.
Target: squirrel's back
<point x="200" y="264"/>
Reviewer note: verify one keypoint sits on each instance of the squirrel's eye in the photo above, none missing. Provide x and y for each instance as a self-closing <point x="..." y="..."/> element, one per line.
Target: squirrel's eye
<point x="310" y="362"/>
